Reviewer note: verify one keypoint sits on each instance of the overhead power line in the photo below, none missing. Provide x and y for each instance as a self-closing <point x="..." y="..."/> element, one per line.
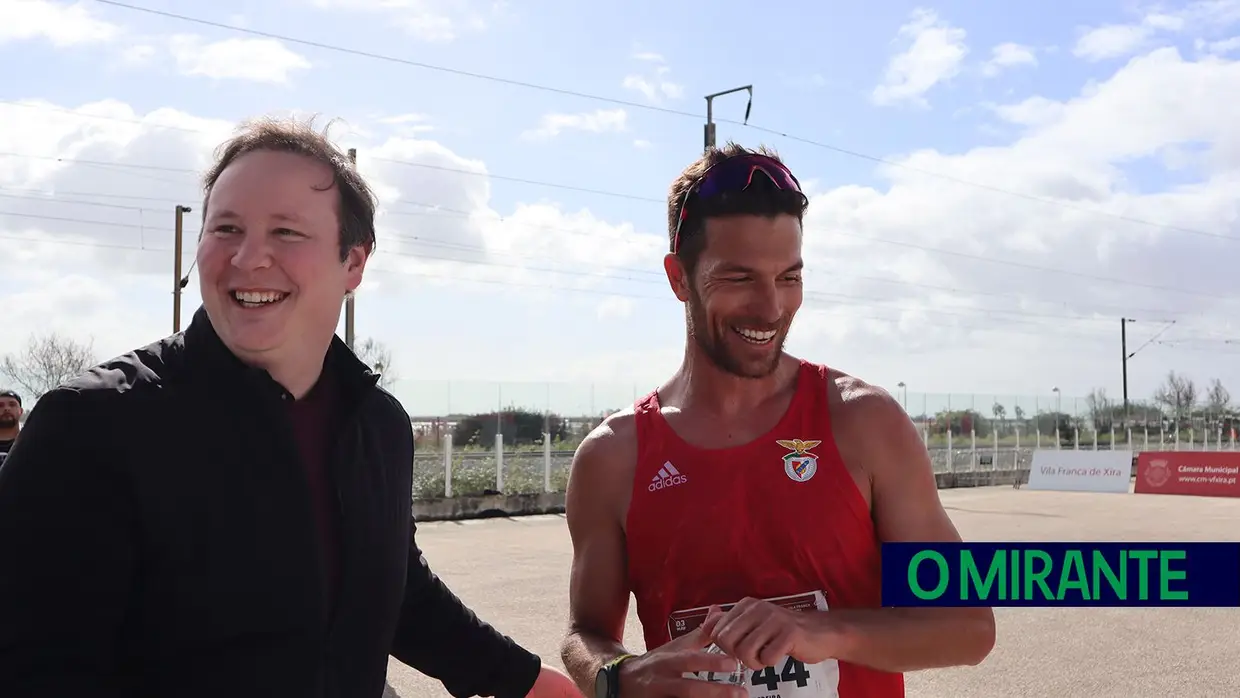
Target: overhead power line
<point x="436" y="211"/>
<point x="834" y="232"/>
<point x="816" y="301"/>
<point x="531" y="85"/>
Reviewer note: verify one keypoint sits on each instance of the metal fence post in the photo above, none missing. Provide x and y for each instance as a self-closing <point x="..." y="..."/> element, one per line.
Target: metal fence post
<point x="447" y="465"/>
<point x="499" y="462"/>
<point x="951" y="466"/>
<point x="546" y="462"/>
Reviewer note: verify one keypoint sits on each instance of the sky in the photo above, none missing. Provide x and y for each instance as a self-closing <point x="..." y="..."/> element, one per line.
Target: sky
<point x="993" y="186"/>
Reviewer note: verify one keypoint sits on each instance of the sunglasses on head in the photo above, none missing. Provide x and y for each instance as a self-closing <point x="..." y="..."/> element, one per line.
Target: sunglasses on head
<point x="735" y="175"/>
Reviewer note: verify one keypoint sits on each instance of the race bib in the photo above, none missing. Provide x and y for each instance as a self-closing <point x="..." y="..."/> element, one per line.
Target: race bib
<point x="788" y="678"/>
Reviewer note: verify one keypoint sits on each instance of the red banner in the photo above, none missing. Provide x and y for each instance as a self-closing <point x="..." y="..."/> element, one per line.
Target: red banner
<point x="1196" y="473"/>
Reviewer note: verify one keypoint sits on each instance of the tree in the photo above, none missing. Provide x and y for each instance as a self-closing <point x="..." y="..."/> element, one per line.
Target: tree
<point x="520" y="427"/>
<point x="378" y="357"/>
<point x="1218" y="400"/>
<point x="1177" y="394"/>
<point x="48" y="361"/>
<point x="1102" y="410"/>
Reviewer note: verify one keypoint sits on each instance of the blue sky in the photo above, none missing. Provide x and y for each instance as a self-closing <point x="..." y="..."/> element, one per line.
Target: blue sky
<point x="1059" y="141"/>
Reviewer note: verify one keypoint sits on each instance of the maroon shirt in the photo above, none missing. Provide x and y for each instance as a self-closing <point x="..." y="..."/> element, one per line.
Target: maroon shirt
<point x="315" y="420"/>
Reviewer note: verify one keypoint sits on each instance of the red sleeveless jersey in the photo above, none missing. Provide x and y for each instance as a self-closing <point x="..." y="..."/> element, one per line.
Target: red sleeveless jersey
<point x="779" y="518"/>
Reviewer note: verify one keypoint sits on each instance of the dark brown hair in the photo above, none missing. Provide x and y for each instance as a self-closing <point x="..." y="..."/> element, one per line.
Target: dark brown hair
<point x="357" y="204"/>
<point x="762" y="199"/>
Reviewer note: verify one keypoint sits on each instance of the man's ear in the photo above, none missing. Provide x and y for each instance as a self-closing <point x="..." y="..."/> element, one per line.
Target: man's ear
<point x="677" y="277"/>
<point x="355" y="266"/>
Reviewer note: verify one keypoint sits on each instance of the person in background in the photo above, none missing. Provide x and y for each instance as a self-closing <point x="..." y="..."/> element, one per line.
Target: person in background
<point x="227" y="511"/>
<point x="743" y="502"/>
<point x="10" y="421"/>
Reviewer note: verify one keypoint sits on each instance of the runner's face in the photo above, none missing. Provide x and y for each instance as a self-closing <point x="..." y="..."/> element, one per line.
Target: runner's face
<point x="745" y="292"/>
<point x="269" y="257"/>
<point x="10" y="413"/>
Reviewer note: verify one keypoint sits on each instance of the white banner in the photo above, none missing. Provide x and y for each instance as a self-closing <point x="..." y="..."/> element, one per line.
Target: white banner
<point x="1080" y="471"/>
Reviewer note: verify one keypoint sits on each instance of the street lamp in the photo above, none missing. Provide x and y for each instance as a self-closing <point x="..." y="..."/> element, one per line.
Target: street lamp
<point x="903" y="394"/>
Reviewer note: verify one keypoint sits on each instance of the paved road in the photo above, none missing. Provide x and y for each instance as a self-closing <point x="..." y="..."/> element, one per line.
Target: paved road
<point x="514" y="573"/>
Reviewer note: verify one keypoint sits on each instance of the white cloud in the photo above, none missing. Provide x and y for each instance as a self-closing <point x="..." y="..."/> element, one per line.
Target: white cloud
<point x="1112" y="41"/>
<point x="65" y="24"/>
<point x="1118" y="40"/>
<point x="254" y="60"/>
<point x="1072" y="157"/>
<point x="597" y="121"/>
<point x="1221" y="47"/>
<point x="61" y="23"/>
<point x="438" y="21"/>
<point x="1006" y="56"/>
<point x="654" y="84"/>
<point x="933" y="53"/>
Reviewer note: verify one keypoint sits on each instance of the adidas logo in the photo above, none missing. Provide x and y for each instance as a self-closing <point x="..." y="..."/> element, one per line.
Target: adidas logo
<point x="668" y="476"/>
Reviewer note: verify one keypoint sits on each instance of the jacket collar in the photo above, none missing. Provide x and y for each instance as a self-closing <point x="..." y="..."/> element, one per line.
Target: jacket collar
<point x="207" y="356"/>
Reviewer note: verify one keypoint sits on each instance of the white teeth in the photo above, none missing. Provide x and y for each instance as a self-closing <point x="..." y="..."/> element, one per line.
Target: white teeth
<point x="755" y="336"/>
<point x="258" y="297"/>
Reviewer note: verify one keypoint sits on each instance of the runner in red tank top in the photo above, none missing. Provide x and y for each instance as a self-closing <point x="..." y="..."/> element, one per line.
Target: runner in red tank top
<point x="743" y="503"/>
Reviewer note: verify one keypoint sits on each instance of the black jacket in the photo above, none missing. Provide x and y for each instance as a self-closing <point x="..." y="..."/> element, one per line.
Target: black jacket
<point x="156" y="539"/>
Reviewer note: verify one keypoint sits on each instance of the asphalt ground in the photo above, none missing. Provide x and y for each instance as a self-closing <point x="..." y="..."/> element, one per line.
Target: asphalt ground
<point x="514" y="573"/>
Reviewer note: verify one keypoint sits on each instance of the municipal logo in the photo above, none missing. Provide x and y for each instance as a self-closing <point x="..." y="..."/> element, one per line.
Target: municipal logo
<point x="1158" y="473"/>
<point x="800" y="465"/>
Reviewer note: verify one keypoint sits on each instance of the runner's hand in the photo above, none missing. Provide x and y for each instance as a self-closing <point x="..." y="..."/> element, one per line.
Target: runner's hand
<point x="760" y="633"/>
<point x="660" y="673"/>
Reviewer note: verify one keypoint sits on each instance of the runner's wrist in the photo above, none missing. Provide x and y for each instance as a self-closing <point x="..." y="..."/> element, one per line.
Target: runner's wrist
<point x="608" y="681"/>
<point x="827" y="635"/>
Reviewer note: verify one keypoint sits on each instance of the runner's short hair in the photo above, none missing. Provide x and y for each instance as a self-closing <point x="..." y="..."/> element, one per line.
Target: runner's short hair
<point x="761" y="199"/>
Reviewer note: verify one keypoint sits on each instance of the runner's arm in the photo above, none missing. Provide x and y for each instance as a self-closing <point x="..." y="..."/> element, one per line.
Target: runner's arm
<point x="906" y="507"/>
<point x="598" y="592"/>
<point x="439" y="635"/>
<point x="67" y="554"/>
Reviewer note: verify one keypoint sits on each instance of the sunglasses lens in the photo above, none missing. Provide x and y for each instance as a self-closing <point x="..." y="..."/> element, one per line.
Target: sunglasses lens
<point x="733" y="175"/>
<point x="737" y="174"/>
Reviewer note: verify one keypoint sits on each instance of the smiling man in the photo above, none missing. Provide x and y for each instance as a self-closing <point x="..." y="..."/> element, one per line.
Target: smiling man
<point x="227" y="511"/>
<point x="744" y="501"/>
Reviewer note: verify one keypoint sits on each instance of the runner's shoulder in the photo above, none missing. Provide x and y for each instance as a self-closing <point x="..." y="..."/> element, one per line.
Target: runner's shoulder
<point x="614" y="439"/>
<point x="861" y="405"/>
<point x="608" y="454"/>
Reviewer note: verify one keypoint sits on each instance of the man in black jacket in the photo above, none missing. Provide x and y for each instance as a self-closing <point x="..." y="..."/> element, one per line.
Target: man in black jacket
<point x="227" y="511"/>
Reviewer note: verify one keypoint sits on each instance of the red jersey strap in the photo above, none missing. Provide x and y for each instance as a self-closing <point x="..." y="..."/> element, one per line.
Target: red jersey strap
<point x="649" y="425"/>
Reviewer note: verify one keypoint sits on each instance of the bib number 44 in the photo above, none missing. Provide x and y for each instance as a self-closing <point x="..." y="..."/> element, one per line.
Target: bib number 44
<point x="793" y="671"/>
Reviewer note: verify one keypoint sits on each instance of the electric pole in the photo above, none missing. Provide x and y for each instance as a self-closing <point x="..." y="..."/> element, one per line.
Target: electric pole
<point x="710" y="112"/>
<point x="178" y="282"/>
<point x="349" y="311"/>
<point x="1123" y="341"/>
<point x="1123" y="346"/>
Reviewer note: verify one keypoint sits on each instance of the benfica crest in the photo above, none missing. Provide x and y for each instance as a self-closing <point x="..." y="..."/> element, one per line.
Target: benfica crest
<point x="800" y="465"/>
